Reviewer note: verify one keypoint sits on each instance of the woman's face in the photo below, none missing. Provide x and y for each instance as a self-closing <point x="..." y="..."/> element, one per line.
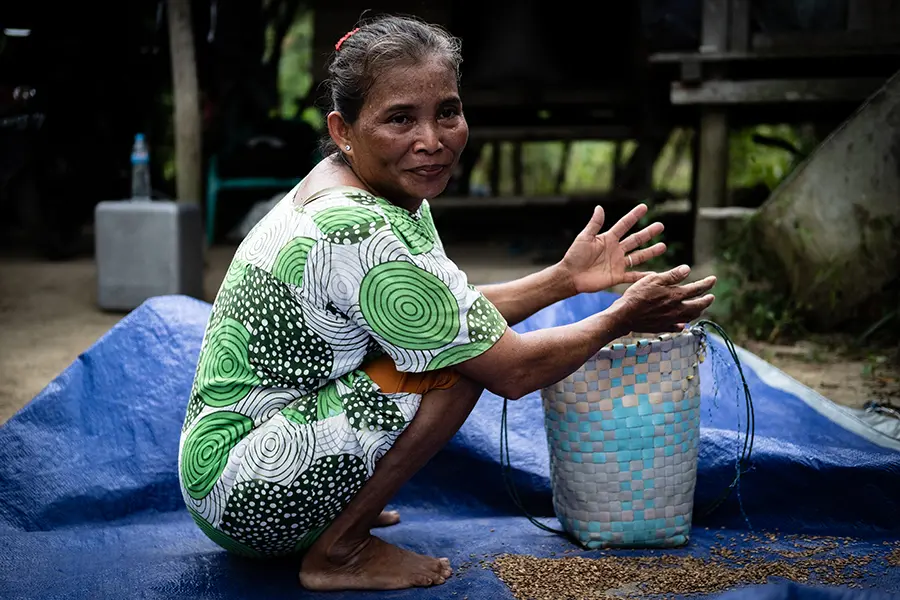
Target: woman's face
<point x="410" y="133"/>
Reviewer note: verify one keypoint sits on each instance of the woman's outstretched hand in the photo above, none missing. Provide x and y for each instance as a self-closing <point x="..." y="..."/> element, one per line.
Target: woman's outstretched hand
<point x="657" y="303"/>
<point x="596" y="261"/>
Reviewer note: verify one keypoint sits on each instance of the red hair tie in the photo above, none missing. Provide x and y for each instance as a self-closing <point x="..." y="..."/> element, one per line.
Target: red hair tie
<point x="344" y="39"/>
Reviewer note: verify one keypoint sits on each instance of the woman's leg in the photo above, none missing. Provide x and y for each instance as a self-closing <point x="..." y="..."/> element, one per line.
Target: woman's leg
<point x="346" y="555"/>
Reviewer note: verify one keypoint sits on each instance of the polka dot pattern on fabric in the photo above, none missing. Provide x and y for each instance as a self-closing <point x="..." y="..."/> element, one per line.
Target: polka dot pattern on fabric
<point x="284" y="351"/>
<point x="273" y="518"/>
<point x="485" y="322"/>
<point x="369" y="410"/>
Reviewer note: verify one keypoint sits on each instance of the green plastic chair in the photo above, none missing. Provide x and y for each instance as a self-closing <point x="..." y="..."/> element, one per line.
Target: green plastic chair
<point x="215" y="184"/>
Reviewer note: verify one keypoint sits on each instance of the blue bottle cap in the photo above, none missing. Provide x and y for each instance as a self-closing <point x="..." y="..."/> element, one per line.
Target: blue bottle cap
<point x="139" y="137"/>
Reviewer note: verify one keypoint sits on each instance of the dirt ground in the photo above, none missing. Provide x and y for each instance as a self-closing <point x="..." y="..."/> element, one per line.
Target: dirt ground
<point x="48" y="316"/>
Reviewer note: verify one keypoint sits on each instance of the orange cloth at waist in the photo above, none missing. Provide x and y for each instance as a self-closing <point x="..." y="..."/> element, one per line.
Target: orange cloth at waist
<point x="384" y="373"/>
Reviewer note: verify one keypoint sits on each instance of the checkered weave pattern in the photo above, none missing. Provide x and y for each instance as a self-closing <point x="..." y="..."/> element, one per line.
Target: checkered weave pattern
<point x="623" y="433"/>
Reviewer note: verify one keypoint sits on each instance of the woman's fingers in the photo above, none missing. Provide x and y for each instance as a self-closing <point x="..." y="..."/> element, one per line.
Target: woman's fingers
<point x="596" y="223"/>
<point x="696" y="306"/>
<point x="676" y="275"/>
<point x="641" y="256"/>
<point x="636" y="240"/>
<point x="628" y="221"/>
<point x="692" y="290"/>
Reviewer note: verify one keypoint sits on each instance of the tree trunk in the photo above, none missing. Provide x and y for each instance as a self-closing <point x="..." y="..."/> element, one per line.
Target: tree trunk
<point x="188" y="162"/>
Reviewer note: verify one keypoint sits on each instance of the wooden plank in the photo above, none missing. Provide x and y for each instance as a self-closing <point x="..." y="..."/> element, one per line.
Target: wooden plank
<point x="516" y="201"/>
<point x="534" y="133"/>
<point x="740" y="25"/>
<point x="508" y="97"/>
<point x="714" y="28"/>
<point x="443" y="204"/>
<point x="834" y="223"/>
<point x="773" y="54"/>
<point x="776" y="91"/>
<point x="725" y="213"/>
<point x="833" y="40"/>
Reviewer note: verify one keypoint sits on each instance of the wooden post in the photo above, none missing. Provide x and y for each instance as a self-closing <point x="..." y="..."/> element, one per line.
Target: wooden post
<point x="712" y="164"/>
<point x="188" y="163"/>
<point x="518" y="165"/>
<point x="712" y="159"/>
<point x="495" y="167"/>
<point x="563" y="167"/>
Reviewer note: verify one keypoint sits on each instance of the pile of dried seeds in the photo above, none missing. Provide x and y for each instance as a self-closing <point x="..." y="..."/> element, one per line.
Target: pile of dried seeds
<point x="803" y="559"/>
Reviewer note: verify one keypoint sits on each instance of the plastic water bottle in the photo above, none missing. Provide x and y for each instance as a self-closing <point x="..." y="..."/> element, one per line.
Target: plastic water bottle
<point x="140" y="170"/>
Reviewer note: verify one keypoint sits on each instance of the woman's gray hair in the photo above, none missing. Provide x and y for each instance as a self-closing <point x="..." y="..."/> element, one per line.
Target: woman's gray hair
<point x="374" y="46"/>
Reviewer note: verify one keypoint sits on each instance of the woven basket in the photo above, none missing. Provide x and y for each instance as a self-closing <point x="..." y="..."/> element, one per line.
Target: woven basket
<point x="623" y="433"/>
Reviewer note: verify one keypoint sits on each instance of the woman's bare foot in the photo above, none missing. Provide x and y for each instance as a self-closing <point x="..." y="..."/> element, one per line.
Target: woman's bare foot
<point x="372" y="564"/>
<point x="387" y="518"/>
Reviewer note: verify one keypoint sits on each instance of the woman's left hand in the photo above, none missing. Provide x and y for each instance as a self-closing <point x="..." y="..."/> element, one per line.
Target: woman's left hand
<point x="598" y="261"/>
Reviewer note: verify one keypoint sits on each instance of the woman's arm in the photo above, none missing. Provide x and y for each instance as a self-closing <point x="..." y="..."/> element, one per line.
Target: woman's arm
<point x="520" y="364"/>
<point x="517" y="300"/>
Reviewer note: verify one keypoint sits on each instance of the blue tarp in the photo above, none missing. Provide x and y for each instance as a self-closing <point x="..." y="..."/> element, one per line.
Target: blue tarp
<point x="90" y="505"/>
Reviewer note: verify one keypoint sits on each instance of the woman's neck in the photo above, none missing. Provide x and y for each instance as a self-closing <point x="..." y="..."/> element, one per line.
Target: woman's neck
<point x="333" y="172"/>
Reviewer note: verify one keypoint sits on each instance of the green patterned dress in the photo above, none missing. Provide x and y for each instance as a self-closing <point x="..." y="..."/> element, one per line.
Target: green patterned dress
<point x="282" y="427"/>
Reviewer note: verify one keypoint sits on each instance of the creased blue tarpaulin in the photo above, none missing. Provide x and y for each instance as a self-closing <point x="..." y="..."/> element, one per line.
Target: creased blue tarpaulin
<point x="90" y="505"/>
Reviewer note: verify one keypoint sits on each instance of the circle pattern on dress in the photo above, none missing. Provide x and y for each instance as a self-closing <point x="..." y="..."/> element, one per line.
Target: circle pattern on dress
<point x="235" y="274"/>
<point x="408" y="306"/>
<point x="291" y="260"/>
<point x="348" y="224"/>
<point x="206" y="449"/>
<point x="457" y="354"/>
<point x="224" y="372"/>
<point x="415" y="235"/>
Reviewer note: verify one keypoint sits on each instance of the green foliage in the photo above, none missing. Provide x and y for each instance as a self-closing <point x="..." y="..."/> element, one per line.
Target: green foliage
<point x="752" y="298"/>
<point x="295" y="71"/>
<point x="751" y="163"/>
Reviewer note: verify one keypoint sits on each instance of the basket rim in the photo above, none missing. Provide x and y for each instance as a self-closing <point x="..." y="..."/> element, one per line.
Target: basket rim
<point x="642" y="343"/>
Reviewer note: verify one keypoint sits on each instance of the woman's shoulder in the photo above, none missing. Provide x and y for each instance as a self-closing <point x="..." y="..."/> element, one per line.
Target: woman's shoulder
<point x="334" y="196"/>
<point x="343" y="215"/>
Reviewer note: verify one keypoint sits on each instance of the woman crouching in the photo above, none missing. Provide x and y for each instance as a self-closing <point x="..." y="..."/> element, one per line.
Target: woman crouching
<point x="345" y="349"/>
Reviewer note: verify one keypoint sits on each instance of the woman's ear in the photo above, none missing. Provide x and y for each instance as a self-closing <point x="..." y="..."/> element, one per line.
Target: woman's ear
<point x="339" y="131"/>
